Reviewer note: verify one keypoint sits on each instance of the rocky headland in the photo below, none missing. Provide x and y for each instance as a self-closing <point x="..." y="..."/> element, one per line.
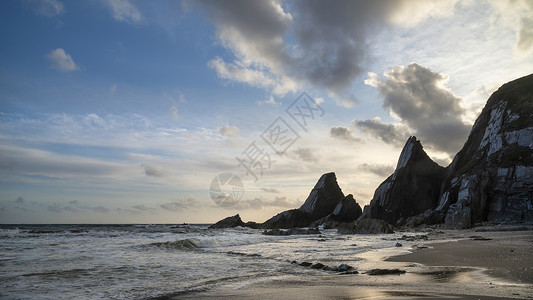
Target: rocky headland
<point x="489" y="180"/>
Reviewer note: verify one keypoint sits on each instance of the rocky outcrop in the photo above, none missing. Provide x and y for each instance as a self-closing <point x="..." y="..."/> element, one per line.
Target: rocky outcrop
<point x="288" y="219"/>
<point x="412" y="189"/>
<point x="491" y="178"/>
<point x="228" y="222"/>
<point x="365" y="226"/>
<point x="347" y="210"/>
<point x="323" y="200"/>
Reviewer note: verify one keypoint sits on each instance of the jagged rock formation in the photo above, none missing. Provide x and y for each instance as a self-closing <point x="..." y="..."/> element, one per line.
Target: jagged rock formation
<point x="491" y="178"/>
<point x="347" y="210"/>
<point x="228" y="222"/>
<point x="412" y="189"/>
<point x="325" y="199"/>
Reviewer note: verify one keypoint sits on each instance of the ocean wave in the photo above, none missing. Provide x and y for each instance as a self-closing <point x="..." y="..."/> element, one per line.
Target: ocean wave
<point x="186" y="244"/>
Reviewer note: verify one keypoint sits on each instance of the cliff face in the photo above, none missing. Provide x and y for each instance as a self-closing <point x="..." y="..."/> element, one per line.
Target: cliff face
<point x="491" y="178"/>
<point x="413" y="188"/>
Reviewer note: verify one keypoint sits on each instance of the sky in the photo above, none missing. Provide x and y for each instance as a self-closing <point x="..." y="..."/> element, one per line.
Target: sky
<point x="124" y="111"/>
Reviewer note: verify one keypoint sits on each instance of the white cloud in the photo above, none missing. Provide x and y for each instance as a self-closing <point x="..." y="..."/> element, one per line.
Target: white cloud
<point x="229" y="131"/>
<point x="124" y="10"/>
<point x="61" y="60"/>
<point x="47" y="8"/>
<point x="517" y="15"/>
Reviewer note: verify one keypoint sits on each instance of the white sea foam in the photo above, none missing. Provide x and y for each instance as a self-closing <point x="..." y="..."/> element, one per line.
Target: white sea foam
<point x="113" y="262"/>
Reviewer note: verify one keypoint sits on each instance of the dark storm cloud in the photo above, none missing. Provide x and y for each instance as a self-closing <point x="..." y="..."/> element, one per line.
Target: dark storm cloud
<point x="321" y="43"/>
<point x="417" y="95"/>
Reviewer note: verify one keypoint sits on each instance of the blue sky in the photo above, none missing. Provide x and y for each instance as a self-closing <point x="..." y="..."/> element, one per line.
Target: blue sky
<point x="118" y="111"/>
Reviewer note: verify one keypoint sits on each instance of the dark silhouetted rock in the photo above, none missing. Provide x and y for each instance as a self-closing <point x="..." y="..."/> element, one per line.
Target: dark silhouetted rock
<point x="374" y="272"/>
<point x="321" y="202"/>
<point x="252" y="225"/>
<point x="228" y="222"/>
<point x="291" y="231"/>
<point x="305" y="264"/>
<point x="325" y="223"/>
<point x="288" y="219"/>
<point x="318" y="266"/>
<point x="346" y="228"/>
<point x="372" y="226"/>
<point x="343" y="268"/>
<point x="323" y="198"/>
<point x="347" y="210"/>
<point x="413" y="188"/>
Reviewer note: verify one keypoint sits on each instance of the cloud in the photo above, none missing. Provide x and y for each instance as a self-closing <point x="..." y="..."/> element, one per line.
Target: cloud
<point x="262" y="203"/>
<point x="44" y="163"/>
<point x="343" y="133"/>
<point x="100" y="209"/>
<point x="391" y="134"/>
<point x="229" y="131"/>
<point x="418" y="96"/>
<point x="61" y="60"/>
<point x="123" y="10"/>
<point x="271" y="101"/>
<point x="271" y="190"/>
<point x="47" y="8"/>
<point x="316" y="43"/>
<point x="181" y="203"/>
<point x="153" y="171"/>
<point x="377" y="169"/>
<point x="307" y="155"/>
<point x="58" y="208"/>
<point x="141" y="207"/>
<point x="518" y="16"/>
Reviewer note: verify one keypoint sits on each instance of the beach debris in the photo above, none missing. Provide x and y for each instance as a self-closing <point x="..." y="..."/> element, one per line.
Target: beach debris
<point x="374" y="272"/>
<point x="399" y="245"/>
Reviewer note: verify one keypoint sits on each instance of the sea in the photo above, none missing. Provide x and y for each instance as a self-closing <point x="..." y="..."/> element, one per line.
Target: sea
<point x="163" y="261"/>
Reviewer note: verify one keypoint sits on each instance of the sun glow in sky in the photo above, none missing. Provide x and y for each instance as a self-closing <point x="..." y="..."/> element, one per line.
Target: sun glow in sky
<point x="123" y="111"/>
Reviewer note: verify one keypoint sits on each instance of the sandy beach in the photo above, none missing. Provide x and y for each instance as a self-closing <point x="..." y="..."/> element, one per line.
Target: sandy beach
<point x="479" y="263"/>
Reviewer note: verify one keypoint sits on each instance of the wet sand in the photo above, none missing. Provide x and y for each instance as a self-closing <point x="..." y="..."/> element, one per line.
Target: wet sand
<point x="506" y="255"/>
<point x="494" y="265"/>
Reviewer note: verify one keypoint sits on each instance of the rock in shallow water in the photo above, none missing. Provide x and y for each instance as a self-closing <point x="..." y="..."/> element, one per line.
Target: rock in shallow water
<point x="374" y="272"/>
